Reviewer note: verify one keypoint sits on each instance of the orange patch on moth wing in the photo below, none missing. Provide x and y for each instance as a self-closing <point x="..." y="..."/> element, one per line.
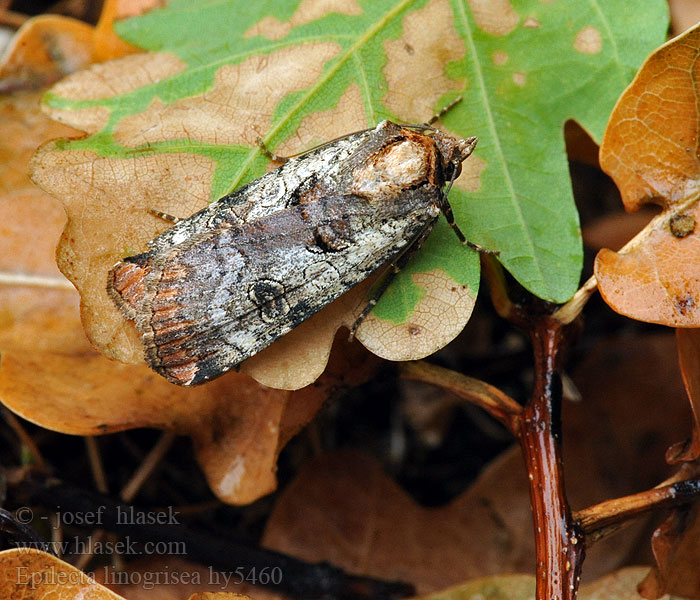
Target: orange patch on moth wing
<point x="127" y="281"/>
<point x="319" y="127"/>
<point x="499" y="58"/>
<point x="470" y="178"/>
<point x="416" y="80"/>
<point x="307" y="11"/>
<point x="436" y="320"/>
<point x="588" y="41"/>
<point x="117" y="77"/>
<point x="519" y="78"/>
<point x="106" y="200"/>
<point x="532" y="23"/>
<point x="497" y="17"/>
<point x="238" y="108"/>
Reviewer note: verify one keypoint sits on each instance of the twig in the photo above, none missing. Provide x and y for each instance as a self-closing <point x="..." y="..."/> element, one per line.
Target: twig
<point x="27" y="280"/>
<point x="147" y="467"/>
<point x="25" y="438"/>
<point x="558" y="540"/>
<point x="572" y="309"/>
<point x="604" y="519"/>
<point x="492" y="400"/>
<point x="96" y="466"/>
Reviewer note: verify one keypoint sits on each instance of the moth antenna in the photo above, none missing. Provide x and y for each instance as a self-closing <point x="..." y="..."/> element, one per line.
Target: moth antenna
<point x="437" y="116"/>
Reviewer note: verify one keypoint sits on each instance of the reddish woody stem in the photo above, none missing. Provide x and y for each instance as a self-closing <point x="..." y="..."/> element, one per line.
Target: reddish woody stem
<point x="558" y="539"/>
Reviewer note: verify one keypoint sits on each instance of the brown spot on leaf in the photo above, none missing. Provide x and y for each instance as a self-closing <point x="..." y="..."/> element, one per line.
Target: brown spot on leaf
<point x="416" y="81"/>
<point x="413" y="329"/>
<point x="588" y="41"/>
<point x="682" y="225"/>
<point x="532" y="23"/>
<point x="685" y="304"/>
<point x="519" y="78"/>
<point x="307" y="12"/>
<point x="238" y="108"/>
<point x="500" y="58"/>
<point x="497" y="17"/>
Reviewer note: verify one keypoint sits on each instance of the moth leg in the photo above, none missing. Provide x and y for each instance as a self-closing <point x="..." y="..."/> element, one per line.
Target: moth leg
<point x="394" y="270"/>
<point x="449" y="216"/>
<point x="437" y="116"/>
<point x="164" y="216"/>
<point x="271" y="155"/>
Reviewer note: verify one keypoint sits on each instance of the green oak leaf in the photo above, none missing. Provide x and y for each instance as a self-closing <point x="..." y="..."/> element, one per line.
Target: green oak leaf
<point x="297" y="73"/>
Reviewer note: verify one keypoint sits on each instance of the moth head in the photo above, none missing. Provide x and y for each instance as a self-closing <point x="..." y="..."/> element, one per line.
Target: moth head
<point x="453" y="152"/>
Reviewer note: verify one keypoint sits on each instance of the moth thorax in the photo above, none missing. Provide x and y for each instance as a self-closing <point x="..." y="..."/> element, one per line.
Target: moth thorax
<point x="394" y="168"/>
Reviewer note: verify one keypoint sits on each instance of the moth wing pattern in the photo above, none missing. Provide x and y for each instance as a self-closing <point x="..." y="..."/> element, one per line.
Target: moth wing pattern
<point x="223" y="284"/>
<point x="195" y="332"/>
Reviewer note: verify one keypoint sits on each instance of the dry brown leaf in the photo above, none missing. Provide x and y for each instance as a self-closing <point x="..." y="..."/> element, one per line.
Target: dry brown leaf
<point x="44" y="50"/>
<point x="688" y="341"/>
<point x="621" y="585"/>
<point x="684" y="14"/>
<point x="356" y="517"/>
<point x="650" y="148"/>
<point x="53" y="377"/>
<point x="49" y="47"/>
<point x="676" y="545"/>
<point x="31" y="574"/>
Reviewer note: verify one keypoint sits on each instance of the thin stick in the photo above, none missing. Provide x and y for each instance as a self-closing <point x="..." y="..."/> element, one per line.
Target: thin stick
<point x="24" y="437"/>
<point x="572" y="309"/>
<point x="492" y="400"/>
<point x="147" y="466"/>
<point x="27" y="280"/>
<point x="604" y="519"/>
<point x="96" y="466"/>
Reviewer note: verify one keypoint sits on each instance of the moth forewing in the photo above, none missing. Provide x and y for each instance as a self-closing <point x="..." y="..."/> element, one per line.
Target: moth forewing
<point x="225" y="283"/>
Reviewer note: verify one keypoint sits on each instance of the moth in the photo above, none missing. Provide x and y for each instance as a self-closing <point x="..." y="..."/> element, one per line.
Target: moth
<point x="223" y="284"/>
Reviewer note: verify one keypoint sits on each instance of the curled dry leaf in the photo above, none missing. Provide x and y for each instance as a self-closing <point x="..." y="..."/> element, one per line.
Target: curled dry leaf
<point x="52" y="376"/>
<point x="49" y="47"/>
<point x="688" y="341"/>
<point x="44" y="50"/>
<point x="677" y="553"/>
<point x="31" y="574"/>
<point x="650" y="148"/>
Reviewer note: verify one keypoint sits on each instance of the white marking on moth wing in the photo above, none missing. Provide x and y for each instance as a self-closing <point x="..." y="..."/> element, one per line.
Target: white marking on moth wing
<point x="180" y="236"/>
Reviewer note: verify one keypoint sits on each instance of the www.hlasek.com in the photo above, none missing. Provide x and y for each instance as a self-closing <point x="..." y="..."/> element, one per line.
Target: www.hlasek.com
<point x="124" y="546"/>
<point x="150" y="579"/>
